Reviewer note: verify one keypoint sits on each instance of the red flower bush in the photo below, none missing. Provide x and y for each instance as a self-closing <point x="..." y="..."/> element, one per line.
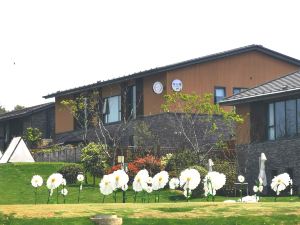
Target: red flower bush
<point x="150" y="163"/>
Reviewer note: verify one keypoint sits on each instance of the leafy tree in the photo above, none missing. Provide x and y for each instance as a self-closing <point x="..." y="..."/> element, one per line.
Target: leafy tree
<point x="32" y="136"/>
<point x="94" y="159"/>
<point x="204" y="126"/>
<point x="88" y="112"/>
<point x="2" y="110"/>
<point x="18" y="107"/>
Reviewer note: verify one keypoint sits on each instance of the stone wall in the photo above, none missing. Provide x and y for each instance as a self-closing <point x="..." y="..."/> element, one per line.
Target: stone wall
<point x="162" y="127"/>
<point x="282" y="156"/>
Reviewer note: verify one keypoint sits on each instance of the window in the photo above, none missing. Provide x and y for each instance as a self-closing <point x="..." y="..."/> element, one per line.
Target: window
<point x="280" y="119"/>
<point x="271" y="122"/>
<point x="238" y="90"/>
<point x="283" y="119"/>
<point x="220" y="94"/>
<point x="131" y="102"/>
<point x="112" y="109"/>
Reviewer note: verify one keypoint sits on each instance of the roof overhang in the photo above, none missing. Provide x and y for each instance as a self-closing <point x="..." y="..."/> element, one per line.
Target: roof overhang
<point x="261" y="97"/>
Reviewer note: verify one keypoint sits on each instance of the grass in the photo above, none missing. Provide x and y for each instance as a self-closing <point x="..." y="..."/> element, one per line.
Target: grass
<point x="15" y="183"/>
<point x="17" y="198"/>
<point x="163" y="213"/>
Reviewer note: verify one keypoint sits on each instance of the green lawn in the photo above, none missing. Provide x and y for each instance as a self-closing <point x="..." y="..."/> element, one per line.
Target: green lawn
<point x="15" y="183"/>
<point x="17" y="198"/>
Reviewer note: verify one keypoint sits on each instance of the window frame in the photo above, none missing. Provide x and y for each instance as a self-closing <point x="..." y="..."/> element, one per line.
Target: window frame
<point x="104" y="116"/>
<point x="215" y="91"/>
<point x="285" y="119"/>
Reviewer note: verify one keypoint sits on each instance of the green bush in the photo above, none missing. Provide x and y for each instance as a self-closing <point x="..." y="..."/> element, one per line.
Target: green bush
<point x="70" y="172"/>
<point x="180" y="161"/>
<point x="229" y="169"/>
<point x="203" y="172"/>
<point x="94" y="159"/>
<point x="32" y="136"/>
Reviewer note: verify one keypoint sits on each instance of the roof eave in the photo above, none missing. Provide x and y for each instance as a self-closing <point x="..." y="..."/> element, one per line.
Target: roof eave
<point x="259" y="98"/>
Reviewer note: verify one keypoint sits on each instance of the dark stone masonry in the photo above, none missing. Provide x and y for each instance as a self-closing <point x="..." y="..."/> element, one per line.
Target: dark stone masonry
<point x="282" y="156"/>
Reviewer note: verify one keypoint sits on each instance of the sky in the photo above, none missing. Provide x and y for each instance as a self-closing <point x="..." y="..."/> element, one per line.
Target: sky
<point x="47" y="46"/>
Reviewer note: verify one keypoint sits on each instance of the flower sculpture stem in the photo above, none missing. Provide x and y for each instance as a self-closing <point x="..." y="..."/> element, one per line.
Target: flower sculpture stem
<point x="124" y="196"/>
<point x="187" y="194"/>
<point x="78" y="200"/>
<point x="56" y="195"/>
<point x="35" y="195"/>
<point x="49" y="193"/>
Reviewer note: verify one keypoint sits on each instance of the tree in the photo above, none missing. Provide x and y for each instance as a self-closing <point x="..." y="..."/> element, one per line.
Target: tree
<point x="87" y="109"/>
<point x="32" y="136"/>
<point x="18" y="107"/>
<point x="203" y="125"/>
<point x="2" y="110"/>
<point x="94" y="159"/>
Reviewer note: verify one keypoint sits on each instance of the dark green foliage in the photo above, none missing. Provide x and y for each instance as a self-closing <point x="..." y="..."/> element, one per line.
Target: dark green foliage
<point x="229" y="169"/>
<point x="94" y="159"/>
<point x="32" y="136"/>
<point x="180" y="161"/>
<point x="70" y="172"/>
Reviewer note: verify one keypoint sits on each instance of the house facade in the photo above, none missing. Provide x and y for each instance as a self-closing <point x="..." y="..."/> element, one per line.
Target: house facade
<point x="272" y="125"/>
<point x="15" y="123"/>
<point x="222" y="74"/>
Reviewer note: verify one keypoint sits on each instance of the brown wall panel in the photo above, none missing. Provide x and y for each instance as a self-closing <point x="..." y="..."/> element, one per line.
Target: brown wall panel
<point x="152" y="101"/>
<point x="111" y="90"/>
<point x="243" y="130"/>
<point x="64" y="121"/>
<point x="242" y="71"/>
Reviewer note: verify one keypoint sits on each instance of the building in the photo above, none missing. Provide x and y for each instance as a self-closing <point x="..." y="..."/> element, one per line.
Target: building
<point x="272" y="125"/>
<point x="221" y="74"/>
<point x="14" y="123"/>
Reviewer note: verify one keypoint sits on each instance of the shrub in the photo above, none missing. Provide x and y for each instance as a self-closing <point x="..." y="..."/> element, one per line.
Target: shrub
<point x="32" y="136"/>
<point x="229" y="169"/>
<point x="70" y="172"/>
<point x="180" y="161"/>
<point x="150" y="163"/>
<point x="132" y="170"/>
<point x="94" y="159"/>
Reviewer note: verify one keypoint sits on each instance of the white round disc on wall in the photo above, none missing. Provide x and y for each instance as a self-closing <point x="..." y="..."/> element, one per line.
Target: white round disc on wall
<point x="158" y="87"/>
<point x="177" y="85"/>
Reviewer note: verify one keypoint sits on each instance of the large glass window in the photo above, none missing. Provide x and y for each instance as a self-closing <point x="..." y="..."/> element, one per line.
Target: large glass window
<point x="283" y="119"/>
<point x="112" y="109"/>
<point x="220" y="94"/>
<point x="291" y="121"/>
<point x="271" y="122"/>
<point x="280" y="119"/>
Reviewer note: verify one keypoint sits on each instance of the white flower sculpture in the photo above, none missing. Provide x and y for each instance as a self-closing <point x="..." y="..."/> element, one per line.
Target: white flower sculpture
<point x="119" y="179"/>
<point x="54" y="181"/>
<point x="280" y="182"/>
<point x="213" y="181"/>
<point x="174" y="183"/>
<point x="64" y="191"/>
<point x="106" y="185"/>
<point x="189" y="180"/>
<point x="160" y="180"/>
<point x="241" y="178"/>
<point x="140" y="181"/>
<point x="37" y="181"/>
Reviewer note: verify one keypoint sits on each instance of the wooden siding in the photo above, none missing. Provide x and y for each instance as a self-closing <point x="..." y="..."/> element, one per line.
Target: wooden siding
<point x="243" y="130"/>
<point x="152" y="101"/>
<point x="240" y="71"/>
<point x="64" y="120"/>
